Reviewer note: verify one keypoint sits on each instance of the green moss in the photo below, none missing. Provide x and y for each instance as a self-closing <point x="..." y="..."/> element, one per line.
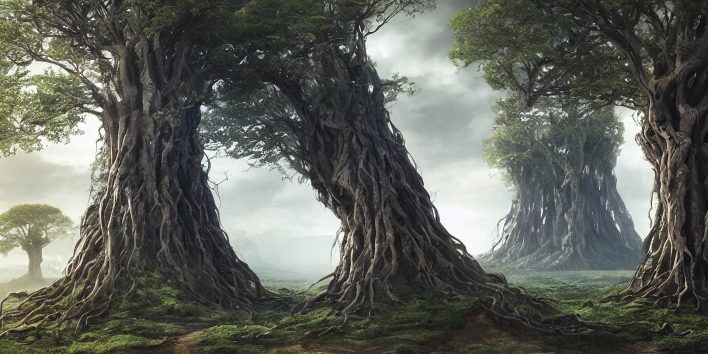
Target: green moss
<point x="428" y="322"/>
<point x="496" y="348"/>
<point x="156" y="297"/>
<point x="122" y="334"/>
<point x="232" y="339"/>
<point x="695" y="342"/>
<point x="630" y="322"/>
<point x="229" y="348"/>
<point x="138" y="327"/>
<point x="115" y="343"/>
<point x="232" y="333"/>
<point x="10" y="347"/>
<point x="410" y="325"/>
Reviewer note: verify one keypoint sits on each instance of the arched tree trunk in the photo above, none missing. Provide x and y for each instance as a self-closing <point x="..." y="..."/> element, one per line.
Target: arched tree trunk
<point x="156" y="214"/>
<point x="674" y="138"/>
<point x="34" y="270"/>
<point x="393" y="244"/>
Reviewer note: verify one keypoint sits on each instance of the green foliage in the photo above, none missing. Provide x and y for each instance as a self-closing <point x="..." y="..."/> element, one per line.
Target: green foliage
<point x="32" y="226"/>
<point x="396" y="85"/>
<point x="280" y="42"/>
<point x="522" y="48"/>
<point x="543" y="130"/>
<point x="112" y="344"/>
<point x="37" y="108"/>
<point x="252" y="121"/>
<point x="541" y="143"/>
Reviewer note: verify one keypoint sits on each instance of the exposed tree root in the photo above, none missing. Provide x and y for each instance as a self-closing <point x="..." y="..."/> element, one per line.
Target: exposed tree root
<point x="666" y="49"/>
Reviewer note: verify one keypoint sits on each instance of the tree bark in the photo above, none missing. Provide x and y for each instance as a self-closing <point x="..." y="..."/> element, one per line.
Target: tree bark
<point x="666" y="48"/>
<point x="34" y="271"/>
<point x="674" y="139"/>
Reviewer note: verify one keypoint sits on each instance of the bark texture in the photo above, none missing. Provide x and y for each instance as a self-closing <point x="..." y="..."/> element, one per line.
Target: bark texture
<point x="156" y="212"/>
<point x="674" y="139"/>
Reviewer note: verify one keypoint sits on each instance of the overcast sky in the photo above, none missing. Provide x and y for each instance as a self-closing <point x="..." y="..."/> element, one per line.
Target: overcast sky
<point x="277" y="224"/>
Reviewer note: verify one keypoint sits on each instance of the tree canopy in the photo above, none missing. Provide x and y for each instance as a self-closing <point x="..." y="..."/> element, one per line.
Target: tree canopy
<point x="522" y="48"/>
<point x="543" y="140"/>
<point x="32" y="225"/>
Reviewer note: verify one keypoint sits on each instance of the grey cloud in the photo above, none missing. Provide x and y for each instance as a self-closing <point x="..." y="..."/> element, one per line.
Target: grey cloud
<point x="444" y="123"/>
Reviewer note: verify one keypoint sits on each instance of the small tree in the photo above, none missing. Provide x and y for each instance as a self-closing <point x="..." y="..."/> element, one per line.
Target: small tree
<point x="32" y="227"/>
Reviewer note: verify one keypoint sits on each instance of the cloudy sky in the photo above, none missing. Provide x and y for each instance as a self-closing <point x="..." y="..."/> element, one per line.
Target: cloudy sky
<point x="276" y="224"/>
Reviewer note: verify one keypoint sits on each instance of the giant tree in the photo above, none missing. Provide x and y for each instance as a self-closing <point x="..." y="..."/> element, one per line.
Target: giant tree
<point x="664" y="58"/>
<point x="321" y="108"/>
<point x="566" y="213"/>
<point x="143" y="68"/>
<point x="557" y="152"/>
<point x="31" y="227"/>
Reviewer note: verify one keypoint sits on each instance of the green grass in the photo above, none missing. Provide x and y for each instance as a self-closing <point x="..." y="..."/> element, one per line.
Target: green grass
<point x="426" y="323"/>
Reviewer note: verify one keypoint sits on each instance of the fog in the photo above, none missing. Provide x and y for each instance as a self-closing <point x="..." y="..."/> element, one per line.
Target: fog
<point x="276" y="225"/>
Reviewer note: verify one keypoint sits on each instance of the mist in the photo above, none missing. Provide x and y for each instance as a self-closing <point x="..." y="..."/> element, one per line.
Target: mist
<point x="275" y="223"/>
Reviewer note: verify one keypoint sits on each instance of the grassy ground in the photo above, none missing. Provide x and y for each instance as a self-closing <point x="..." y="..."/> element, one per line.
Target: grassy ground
<point x="445" y="324"/>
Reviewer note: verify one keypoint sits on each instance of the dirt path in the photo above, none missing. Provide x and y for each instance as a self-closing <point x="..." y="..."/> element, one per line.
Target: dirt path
<point x="480" y="333"/>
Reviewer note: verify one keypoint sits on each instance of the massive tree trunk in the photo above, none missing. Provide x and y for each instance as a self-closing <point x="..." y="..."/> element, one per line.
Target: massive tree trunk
<point x="578" y="223"/>
<point x="393" y="244"/>
<point x="34" y="271"/>
<point x="674" y="138"/>
<point x="156" y="214"/>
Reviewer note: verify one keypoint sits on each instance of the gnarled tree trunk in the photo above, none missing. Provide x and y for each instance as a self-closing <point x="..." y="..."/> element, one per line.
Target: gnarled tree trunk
<point x="156" y="214"/>
<point x="393" y="244"/>
<point x="674" y="138"/>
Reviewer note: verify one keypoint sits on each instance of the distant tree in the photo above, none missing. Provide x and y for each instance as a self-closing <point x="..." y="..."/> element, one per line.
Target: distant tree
<point x="557" y="152"/>
<point x="661" y="70"/>
<point x="566" y="212"/>
<point x="31" y="227"/>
